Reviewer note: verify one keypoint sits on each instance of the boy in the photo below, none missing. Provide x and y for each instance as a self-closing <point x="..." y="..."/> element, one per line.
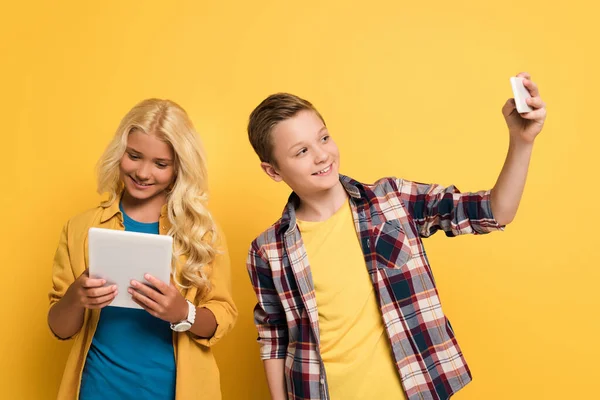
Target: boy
<point x="347" y="305"/>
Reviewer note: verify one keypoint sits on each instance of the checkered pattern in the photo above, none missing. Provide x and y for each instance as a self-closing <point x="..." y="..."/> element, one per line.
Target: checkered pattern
<point x="391" y="216"/>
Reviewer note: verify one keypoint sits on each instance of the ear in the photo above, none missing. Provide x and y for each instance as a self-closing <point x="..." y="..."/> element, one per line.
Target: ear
<point x="271" y="171"/>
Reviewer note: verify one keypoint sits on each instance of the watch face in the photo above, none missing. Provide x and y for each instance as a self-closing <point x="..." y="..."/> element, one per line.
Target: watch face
<point x="182" y="326"/>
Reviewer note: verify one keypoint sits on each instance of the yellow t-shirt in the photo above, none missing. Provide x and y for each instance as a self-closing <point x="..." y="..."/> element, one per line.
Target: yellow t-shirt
<point x="356" y="352"/>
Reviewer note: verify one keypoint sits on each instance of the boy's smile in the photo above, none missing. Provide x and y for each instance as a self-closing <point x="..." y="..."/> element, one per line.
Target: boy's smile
<point x="323" y="171"/>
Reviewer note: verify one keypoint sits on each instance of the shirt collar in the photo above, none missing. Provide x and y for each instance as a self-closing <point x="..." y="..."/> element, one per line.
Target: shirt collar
<point x="288" y="219"/>
<point x="110" y="210"/>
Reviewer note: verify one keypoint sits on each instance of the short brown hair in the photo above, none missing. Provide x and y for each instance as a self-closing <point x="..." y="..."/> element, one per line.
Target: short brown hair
<point x="271" y="111"/>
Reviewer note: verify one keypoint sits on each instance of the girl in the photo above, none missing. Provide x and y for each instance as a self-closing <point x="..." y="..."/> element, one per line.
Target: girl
<point x="155" y="175"/>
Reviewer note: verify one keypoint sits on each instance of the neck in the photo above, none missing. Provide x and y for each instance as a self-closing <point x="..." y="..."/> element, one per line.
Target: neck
<point x="146" y="210"/>
<point x="322" y="205"/>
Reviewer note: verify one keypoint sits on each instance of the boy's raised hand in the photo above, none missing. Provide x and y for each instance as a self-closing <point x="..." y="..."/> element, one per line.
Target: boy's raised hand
<point x="524" y="128"/>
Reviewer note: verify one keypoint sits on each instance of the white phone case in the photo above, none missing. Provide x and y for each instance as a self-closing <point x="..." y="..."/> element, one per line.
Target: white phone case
<point x="521" y="94"/>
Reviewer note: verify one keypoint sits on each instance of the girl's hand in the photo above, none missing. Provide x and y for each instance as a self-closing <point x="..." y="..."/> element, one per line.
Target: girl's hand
<point x="90" y="293"/>
<point x="163" y="301"/>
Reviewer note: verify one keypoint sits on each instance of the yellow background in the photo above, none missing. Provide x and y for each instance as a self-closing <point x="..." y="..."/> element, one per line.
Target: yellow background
<point x="407" y="89"/>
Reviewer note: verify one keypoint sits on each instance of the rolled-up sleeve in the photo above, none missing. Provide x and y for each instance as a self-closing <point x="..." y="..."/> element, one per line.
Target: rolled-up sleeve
<point x="434" y="207"/>
<point x="62" y="273"/>
<point x="269" y="317"/>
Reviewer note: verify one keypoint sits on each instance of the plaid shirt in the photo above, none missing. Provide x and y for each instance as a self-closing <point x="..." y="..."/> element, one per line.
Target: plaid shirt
<point x="391" y="216"/>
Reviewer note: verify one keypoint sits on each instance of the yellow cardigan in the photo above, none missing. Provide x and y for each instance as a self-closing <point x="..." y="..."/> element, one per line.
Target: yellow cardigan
<point x="197" y="372"/>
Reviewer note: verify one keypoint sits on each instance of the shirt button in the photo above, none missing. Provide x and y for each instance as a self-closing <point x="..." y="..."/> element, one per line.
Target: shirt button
<point x="322" y="381"/>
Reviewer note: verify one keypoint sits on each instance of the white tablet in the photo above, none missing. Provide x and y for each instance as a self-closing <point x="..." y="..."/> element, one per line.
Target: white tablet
<point x="120" y="256"/>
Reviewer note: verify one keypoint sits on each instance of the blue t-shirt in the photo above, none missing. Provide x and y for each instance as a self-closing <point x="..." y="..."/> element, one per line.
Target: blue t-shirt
<point x="131" y="355"/>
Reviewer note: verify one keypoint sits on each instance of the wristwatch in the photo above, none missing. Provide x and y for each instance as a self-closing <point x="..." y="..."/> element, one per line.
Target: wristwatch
<point x="187" y="323"/>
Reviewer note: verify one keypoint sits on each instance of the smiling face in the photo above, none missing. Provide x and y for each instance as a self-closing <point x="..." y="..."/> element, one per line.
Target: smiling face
<point x="304" y="155"/>
<point x="147" y="166"/>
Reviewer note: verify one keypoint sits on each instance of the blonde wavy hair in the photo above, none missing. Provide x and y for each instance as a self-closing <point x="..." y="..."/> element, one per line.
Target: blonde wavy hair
<point x="193" y="229"/>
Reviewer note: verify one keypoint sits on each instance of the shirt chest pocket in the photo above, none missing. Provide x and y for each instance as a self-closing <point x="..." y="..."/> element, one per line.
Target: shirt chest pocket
<point x="392" y="247"/>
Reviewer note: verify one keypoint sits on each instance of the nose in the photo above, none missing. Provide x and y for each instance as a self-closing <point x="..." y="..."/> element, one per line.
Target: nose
<point x="320" y="156"/>
<point x="143" y="172"/>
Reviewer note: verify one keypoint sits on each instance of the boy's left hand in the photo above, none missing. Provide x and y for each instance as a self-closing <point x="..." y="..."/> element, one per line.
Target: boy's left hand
<point x="164" y="302"/>
<point x="525" y="127"/>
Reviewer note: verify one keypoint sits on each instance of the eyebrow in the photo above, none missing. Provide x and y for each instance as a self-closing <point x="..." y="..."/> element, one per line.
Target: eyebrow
<point x="302" y="142"/>
<point x="131" y="149"/>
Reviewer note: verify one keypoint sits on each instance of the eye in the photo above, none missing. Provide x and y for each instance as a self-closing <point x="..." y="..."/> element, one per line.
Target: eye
<point x="162" y="165"/>
<point x="302" y="151"/>
<point x="133" y="156"/>
<point x="325" y="138"/>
